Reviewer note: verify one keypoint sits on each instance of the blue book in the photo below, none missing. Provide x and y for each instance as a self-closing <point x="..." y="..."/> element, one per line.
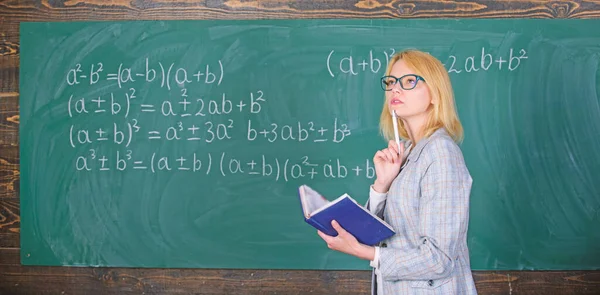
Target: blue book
<point x="365" y="226"/>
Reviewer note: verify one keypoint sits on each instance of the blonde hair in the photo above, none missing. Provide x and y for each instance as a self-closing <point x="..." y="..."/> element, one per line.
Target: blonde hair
<point x="442" y="113"/>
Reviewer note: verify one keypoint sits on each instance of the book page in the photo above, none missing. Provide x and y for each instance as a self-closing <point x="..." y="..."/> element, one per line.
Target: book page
<point x="311" y="200"/>
<point x="329" y="204"/>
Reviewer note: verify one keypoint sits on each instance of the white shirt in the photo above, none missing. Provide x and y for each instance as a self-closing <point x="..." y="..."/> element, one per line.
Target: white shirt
<point x="376" y="200"/>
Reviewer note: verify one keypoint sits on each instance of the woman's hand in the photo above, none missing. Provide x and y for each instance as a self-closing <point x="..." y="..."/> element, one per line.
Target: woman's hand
<point x="387" y="165"/>
<point x="345" y="242"/>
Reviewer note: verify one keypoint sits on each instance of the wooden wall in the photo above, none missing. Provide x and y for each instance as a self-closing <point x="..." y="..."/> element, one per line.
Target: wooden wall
<point x="16" y="279"/>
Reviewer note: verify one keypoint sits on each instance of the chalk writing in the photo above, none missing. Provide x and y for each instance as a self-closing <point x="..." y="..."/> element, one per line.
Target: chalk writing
<point x="225" y="164"/>
<point x="165" y="74"/>
<point x="373" y="62"/>
<point x="188" y="118"/>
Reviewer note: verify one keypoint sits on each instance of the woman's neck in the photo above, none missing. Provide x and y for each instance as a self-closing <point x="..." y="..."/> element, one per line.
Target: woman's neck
<point x="414" y="127"/>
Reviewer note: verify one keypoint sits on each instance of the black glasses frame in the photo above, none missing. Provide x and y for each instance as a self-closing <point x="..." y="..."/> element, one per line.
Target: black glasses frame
<point x="397" y="81"/>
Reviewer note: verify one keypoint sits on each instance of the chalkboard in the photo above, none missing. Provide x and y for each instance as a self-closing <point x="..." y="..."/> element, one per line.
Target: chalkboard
<point x="182" y="143"/>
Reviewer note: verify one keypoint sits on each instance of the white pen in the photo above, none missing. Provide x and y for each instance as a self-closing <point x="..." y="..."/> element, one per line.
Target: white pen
<point x="395" y="122"/>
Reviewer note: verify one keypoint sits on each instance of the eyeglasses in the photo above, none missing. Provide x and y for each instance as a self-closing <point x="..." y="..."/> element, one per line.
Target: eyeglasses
<point x="407" y="82"/>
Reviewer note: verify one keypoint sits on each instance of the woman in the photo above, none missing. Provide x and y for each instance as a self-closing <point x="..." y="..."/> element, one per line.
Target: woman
<point x="421" y="191"/>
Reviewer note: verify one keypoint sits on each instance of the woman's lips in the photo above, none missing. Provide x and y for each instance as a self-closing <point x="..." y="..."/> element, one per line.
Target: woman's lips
<point x="396" y="101"/>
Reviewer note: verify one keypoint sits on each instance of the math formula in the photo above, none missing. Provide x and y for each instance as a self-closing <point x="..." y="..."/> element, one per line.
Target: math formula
<point x="130" y="124"/>
<point x="374" y="62"/>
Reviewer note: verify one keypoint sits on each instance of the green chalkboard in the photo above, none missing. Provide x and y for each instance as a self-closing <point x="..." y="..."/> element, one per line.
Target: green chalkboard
<point x="182" y="143"/>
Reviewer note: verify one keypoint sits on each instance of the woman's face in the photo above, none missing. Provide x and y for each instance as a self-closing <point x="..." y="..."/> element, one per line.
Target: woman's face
<point x="407" y="103"/>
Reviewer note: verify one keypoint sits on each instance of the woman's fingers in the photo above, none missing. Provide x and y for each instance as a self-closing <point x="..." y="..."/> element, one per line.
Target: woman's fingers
<point x="392" y="156"/>
<point x="388" y="155"/>
<point x="393" y="146"/>
<point x="379" y="155"/>
<point x="401" y="152"/>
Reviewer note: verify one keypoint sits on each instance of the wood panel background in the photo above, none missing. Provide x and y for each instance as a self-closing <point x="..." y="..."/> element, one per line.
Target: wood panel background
<point x="17" y="279"/>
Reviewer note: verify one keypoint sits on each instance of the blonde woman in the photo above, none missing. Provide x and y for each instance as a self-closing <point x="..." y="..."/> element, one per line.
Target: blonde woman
<point x="422" y="188"/>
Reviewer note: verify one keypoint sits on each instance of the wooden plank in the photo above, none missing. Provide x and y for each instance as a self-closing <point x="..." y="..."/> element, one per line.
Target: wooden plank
<point x="238" y="9"/>
<point x="10" y="222"/>
<point x="83" y="280"/>
<point x="556" y="282"/>
<point x="10" y="241"/>
<point x="9" y="145"/>
<point x="9" y="58"/>
<point x="17" y="11"/>
<point x="75" y="280"/>
<point x="9" y="170"/>
<point x="9" y="118"/>
<point x="9" y="256"/>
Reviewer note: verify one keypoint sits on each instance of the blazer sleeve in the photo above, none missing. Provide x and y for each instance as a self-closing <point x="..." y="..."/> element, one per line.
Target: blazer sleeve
<point x="443" y="219"/>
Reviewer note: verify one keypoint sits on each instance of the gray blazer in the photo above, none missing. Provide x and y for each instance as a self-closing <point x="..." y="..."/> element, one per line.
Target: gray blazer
<point x="428" y="207"/>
